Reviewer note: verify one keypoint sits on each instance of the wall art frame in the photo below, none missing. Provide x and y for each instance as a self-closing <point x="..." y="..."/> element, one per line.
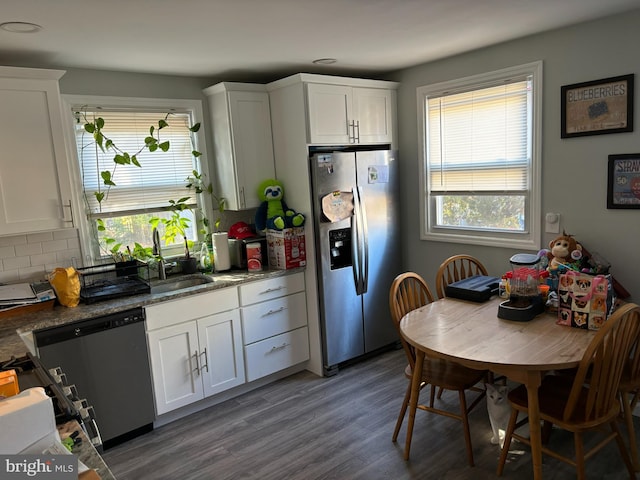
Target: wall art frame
<point x="597" y="107"/>
<point x="623" y="181"/>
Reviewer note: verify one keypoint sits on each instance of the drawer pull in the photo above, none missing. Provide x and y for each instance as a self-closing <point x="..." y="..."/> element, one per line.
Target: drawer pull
<point x="270" y="290"/>
<point x="279" y="347"/>
<point x="273" y="312"/>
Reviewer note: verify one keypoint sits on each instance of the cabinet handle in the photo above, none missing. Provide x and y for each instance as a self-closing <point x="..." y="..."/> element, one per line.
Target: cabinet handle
<point x="356" y="138"/>
<point x="279" y="347"/>
<point x="273" y="312"/>
<point x="197" y="361"/>
<point x="242" y="200"/>
<point x="351" y="127"/>
<point x="205" y="364"/>
<point x="270" y="290"/>
<point x="70" y="214"/>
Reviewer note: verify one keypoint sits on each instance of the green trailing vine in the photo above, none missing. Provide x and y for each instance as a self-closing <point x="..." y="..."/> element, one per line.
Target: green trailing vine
<point x="177" y="224"/>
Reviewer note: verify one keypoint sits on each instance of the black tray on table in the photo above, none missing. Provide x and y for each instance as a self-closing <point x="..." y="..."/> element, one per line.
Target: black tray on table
<point x="477" y="288"/>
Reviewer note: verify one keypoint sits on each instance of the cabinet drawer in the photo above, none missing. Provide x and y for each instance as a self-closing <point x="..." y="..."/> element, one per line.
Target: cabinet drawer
<point x="276" y="353"/>
<point x="191" y="307"/>
<point x="262" y="290"/>
<point x="271" y="318"/>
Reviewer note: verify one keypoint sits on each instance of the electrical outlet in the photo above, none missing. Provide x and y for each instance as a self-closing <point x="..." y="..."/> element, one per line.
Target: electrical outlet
<point x="552" y="223"/>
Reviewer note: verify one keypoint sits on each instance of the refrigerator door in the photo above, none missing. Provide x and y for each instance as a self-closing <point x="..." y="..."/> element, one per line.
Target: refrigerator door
<point x="377" y="181"/>
<point x="333" y="179"/>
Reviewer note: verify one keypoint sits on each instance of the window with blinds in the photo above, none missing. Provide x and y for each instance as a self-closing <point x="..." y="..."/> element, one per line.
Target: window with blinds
<point x="140" y="193"/>
<point x="480" y="148"/>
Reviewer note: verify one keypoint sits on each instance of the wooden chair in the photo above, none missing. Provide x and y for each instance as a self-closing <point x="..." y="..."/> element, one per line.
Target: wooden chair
<point x="629" y="394"/>
<point x="589" y="402"/>
<point x="408" y="292"/>
<point x="457" y="267"/>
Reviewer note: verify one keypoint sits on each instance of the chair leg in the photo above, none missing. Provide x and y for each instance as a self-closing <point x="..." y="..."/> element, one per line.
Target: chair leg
<point x="628" y="417"/>
<point x="507" y="441"/>
<point x="432" y="395"/>
<point x="465" y="424"/>
<point x="403" y="411"/>
<point x="440" y="390"/>
<point x="623" y="449"/>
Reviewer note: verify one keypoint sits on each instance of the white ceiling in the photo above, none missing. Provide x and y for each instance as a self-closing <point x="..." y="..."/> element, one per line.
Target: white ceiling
<point x="261" y="40"/>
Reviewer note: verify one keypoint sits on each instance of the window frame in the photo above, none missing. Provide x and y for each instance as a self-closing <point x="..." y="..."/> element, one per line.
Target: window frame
<point x="531" y="238"/>
<point x="91" y="252"/>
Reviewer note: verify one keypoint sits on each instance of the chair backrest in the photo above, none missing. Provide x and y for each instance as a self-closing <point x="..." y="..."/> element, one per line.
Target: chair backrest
<point x="602" y="365"/>
<point x="408" y="292"/>
<point x="457" y="267"/>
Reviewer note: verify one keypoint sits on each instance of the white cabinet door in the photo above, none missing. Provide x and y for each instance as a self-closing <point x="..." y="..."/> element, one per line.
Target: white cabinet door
<point x="173" y="351"/>
<point x="195" y="347"/>
<point x="241" y="122"/>
<point x="342" y="115"/>
<point x="35" y="189"/>
<point x="373" y="114"/>
<point x="221" y="362"/>
<point x="330" y="113"/>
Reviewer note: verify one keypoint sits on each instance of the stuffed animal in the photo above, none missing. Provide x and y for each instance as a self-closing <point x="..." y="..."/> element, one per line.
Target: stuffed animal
<point x="564" y="249"/>
<point x="273" y="212"/>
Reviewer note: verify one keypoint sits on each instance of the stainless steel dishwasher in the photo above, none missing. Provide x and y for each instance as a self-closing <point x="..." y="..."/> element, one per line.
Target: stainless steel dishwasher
<point x="106" y="358"/>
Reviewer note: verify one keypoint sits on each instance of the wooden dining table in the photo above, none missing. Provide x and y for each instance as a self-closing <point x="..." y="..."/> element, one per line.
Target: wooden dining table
<point x="471" y="334"/>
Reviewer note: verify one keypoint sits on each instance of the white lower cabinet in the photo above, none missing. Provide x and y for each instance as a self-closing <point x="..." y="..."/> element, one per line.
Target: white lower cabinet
<point x="195" y="347"/>
<point x="274" y="325"/>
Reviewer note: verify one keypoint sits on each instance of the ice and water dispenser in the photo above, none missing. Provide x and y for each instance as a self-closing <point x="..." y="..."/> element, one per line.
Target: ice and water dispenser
<point x="340" y="248"/>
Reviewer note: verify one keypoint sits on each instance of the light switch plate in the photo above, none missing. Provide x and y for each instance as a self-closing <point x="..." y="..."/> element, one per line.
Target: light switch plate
<point x="552" y="223"/>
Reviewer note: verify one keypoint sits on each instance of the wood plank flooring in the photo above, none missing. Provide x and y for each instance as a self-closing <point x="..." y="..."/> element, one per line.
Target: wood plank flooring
<point x="306" y="427"/>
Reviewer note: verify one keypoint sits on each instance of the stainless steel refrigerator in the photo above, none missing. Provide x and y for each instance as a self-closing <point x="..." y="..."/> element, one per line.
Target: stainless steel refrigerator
<point x="355" y="197"/>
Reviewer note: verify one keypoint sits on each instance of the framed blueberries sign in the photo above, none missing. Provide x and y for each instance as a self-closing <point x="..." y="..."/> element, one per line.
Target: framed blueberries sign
<point x="597" y="107"/>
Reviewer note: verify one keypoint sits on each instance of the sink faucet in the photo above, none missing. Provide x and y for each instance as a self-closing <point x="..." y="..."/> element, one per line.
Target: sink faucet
<point x="162" y="273"/>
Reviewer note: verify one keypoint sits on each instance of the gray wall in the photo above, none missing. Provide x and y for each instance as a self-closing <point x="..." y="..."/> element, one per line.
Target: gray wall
<point x="574" y="171"/>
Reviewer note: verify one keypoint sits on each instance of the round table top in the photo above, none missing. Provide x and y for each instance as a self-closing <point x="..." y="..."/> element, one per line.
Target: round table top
<point x="472" y="334"/>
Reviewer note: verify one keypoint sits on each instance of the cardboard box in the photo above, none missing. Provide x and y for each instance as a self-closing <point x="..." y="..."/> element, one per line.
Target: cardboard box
<point x="286" y="248"/>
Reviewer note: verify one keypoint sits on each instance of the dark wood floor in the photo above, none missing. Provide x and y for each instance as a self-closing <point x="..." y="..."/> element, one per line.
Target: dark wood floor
<point x="305" y="427"/>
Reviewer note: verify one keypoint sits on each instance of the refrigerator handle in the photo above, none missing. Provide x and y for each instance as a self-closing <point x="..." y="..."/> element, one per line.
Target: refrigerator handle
<point x="355" y="241"/>
<point x="365" y="243"/>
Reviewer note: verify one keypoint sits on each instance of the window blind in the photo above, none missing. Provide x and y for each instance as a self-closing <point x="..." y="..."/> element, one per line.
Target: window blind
<point x="478" y="140"/>
<point x="162" y="176"/>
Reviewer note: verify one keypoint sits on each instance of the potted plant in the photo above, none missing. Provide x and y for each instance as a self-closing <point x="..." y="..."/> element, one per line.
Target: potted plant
<point x="175" y="227"/>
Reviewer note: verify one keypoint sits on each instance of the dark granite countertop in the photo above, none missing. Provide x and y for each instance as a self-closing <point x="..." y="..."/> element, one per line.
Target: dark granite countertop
<point x="85" y="451"/>
<point x="11" y="343"/>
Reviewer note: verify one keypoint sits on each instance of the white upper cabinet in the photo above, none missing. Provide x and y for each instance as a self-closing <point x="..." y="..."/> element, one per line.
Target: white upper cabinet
<point x="241" y="123"/>
<point x="35" y="187"/>
<point x="340" y="114"/>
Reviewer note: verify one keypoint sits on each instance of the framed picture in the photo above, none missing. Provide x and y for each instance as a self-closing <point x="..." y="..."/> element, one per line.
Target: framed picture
<point x="597" y="107"/>
<point x="623" y="184"/>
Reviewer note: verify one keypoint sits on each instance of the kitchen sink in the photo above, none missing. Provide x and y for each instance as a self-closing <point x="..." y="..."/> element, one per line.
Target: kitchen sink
<point x="180" y="283"/>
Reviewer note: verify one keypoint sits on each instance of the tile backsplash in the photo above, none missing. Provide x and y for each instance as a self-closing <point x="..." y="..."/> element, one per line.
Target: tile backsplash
<point x="30" y="257"/>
